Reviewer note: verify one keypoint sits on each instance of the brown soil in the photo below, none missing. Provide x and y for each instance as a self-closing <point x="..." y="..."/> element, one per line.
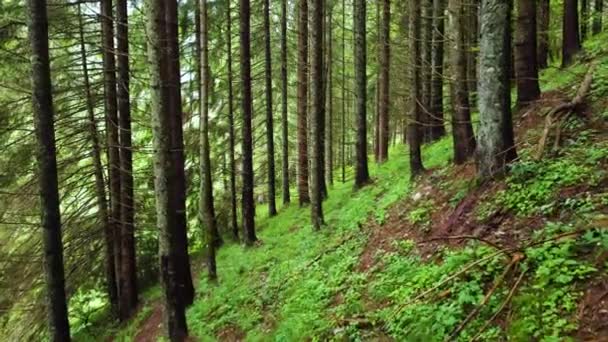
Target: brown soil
<point x="593" y="313"/>
<point x="231" y="333"/>
<point x="150" y="328"/>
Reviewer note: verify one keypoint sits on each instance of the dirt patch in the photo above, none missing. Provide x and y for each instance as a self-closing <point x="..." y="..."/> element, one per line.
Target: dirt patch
<point x="151" y="327"/>
<point x="231" y="333"/>
<point x="593" y="313"/>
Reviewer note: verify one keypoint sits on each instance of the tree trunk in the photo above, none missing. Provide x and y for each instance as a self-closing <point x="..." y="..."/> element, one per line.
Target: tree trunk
<point x="437" y="127"/>
<point x="272" y="207"/>
<point x="284" y="120"/>
<point x="206" y="208"/>
<point x="543" y="22"/>
<point x="361" y="171"/>
<point x="413" y="129"/>
<point x="496" y="146"/>
<point x="111" y="110"/>
<point x="384" y="98"/>
<point x="584" y="19"/>
<point x="177" y="141"/>
<point x="128" y="270"/>
<point x="343" y="130"/>
<point x="471" y="44"/>
<point x="50" y="218"/>
<point x="425" y="70"/>
<point x="316" y="116"/>
<point x="234" y="227"/>
<point x="571" y="43"/>
<point x="248" y="211"/>
<point x="165" y="186"/>
<point x="462" y="128"/>
<point x="329" y="118"/>
<point x="598" y="13"/>
<point x="526" y="68"/>
<point x="302" y="103"/>
<point x="100" y="186"/>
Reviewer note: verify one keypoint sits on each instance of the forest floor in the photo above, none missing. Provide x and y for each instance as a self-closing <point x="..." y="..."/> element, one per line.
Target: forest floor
<point x="443" y="258"/>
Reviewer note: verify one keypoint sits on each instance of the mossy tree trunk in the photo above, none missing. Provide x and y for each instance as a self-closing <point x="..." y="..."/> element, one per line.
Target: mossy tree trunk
<point x="206" y="208"/>
<point x="496" y="147"/>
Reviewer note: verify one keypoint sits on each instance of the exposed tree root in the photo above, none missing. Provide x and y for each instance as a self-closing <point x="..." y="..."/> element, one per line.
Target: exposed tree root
<point x="559" y="114"/>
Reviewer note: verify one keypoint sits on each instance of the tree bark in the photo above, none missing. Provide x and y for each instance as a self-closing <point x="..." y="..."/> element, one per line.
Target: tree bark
<point x="304" y="197"/>
<point x="272" y="207"/>
<point x="165" y="186"/>
<point x="462" y="128"/>
<point x="571" y="43"/>
<point x="413" y="129"/>
<point x="526" y="68"/>
<point x="361" y="170"/>
<point x="384" y="91"/>
<point x="234" y="227"/>
<point x="50" y="217"/>
<point x="543" y="22"/>
<point x="316" y="111"/>
<point x="111" y="110"/>
<point x="598" y="13"/>
<point x="100" y="186"/>
<point x="128" y="269"/>
<point x="248" y="211"/>
<point x="437" y="126"/>
<point x="177" y="141"/>
<point x="425" y="68"/>
<point x="585" y="4"/>
<point x="329" y="118"/>
<point x="343" y="130"/>
<point x="496" y="145"/>
<point x="206" y="208"/>
<point x="284" y="113"/>
<point x="471" y="45"/>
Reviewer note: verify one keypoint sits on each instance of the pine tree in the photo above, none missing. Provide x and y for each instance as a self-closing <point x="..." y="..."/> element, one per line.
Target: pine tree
<point x="361" y="170"/>
<point x="384" y="83"/>
<point x="462" y="128"/>
<point x="543" y="22"/>
<point x="248" y="211"/>
<point x="128" y="269"/>
<point x="272" y="207"/>
<point x="206" y="208"/>
<point x="302" y="102"/>
<point x="42" y="101"/>
<point x="571" y="43"/>
<point x="413" y="129"/>
<point x="316" y="108"/>
<point x="496" y="147"/>
<point x="164" y="181"/>
<point x="284" y="113"/>
<point x="233" y="206"/>
<point x="100" y="184"/>
<point x="526" y="68"/>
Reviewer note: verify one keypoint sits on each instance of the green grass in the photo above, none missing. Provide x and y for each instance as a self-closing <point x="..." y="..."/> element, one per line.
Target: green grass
<point x="274" y="290"/>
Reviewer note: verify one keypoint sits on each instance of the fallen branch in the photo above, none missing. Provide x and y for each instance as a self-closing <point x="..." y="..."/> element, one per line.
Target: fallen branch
<point x="562" y="111"/>
<point x="514" y="260"/>
<point x="502" y="306"/>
